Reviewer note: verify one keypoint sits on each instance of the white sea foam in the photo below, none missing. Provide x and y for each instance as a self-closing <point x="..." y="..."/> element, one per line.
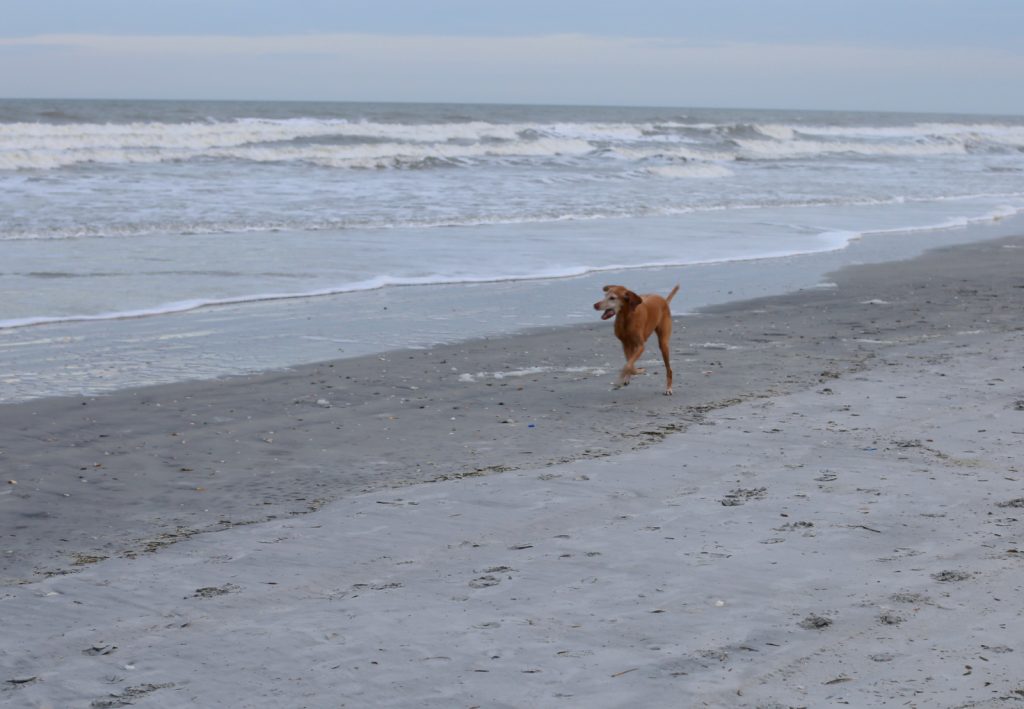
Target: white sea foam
<point x="1007" y="134"/>
<point x="777" y="132"/>
<point x="765" y="149"/>
<point x="341" y="204"/>
<point x="675" y="152"/>
<point x="310" y="224"/>
<point x="469" y="378"/>
<point x="378" y="282"/>
<point x="355" y="144"/>
<point x="361" y="155"/>
<point x="957" y="222"/>
<point x="47" y="146"/>
<point x="201" y="136"/>
<point x="691" y="170"/>
<point x="826" y="241"/>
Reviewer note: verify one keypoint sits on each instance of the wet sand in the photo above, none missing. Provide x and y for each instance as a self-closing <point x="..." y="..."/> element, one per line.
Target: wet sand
<point x="127" y="472"/>
<point x="824" y="512"/>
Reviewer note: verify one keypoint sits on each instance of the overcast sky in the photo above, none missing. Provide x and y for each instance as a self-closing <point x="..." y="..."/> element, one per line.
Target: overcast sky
<point x="913" y="55"/>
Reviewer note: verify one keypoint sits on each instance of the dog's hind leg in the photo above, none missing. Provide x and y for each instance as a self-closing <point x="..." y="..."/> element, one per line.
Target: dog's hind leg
<point x="664" y="332"/>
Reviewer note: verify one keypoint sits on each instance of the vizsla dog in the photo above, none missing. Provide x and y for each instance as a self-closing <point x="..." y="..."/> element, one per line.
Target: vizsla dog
<point x="636" y="318"/>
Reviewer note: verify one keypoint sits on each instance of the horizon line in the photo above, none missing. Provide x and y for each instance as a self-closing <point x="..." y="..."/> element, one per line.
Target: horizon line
<point x="511" y="104"/>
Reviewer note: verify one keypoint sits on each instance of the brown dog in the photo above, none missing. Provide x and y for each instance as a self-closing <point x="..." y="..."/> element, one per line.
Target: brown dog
<point x="636" y="318"/>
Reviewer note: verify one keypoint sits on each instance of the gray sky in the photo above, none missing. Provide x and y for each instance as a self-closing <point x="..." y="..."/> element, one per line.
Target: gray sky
<point x="916" y="55"/>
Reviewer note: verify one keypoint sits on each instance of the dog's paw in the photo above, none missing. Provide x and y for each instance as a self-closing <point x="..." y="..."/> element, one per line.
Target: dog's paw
<point x="668" y="392"/>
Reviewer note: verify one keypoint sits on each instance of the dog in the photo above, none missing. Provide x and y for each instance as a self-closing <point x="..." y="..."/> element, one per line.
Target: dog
<point x="636" y="317"/>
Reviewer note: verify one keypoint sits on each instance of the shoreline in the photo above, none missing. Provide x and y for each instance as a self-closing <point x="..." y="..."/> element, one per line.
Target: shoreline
<point x="182" y="459"/>
<point x="832" y="241"/>
<point x="832" y="520"/>
<point x="91" y="358"/>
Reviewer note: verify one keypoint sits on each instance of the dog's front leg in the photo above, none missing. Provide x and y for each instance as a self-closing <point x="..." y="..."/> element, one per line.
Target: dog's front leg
<point x="633" y="355"/>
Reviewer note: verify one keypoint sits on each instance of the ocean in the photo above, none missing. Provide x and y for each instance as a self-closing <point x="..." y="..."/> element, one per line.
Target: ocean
<point x="152" y="241"/>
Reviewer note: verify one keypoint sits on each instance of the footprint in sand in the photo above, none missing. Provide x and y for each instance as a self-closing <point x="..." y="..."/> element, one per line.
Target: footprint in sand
<point x="484" y="581"/>
<point x="490" y="578"/>
<point x="740" y="496"/>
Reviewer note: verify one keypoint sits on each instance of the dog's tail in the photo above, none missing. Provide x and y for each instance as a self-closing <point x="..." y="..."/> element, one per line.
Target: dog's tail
<point x="672" y="294"/>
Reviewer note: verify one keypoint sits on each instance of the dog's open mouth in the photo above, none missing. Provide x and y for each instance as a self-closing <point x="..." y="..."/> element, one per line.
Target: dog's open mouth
<point x="609" y="313"/>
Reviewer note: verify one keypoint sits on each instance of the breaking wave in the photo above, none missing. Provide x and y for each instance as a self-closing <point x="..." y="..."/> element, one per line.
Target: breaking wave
<point x="340" y="143"/>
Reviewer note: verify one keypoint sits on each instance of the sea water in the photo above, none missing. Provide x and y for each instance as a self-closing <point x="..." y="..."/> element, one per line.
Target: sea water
<point x="245" y="216"/>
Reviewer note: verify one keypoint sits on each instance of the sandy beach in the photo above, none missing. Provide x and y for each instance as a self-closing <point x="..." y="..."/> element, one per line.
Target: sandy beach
<point x="826" y="513"/>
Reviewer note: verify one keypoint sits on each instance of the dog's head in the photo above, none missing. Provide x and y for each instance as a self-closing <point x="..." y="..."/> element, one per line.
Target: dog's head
<point x="617" y="299"/>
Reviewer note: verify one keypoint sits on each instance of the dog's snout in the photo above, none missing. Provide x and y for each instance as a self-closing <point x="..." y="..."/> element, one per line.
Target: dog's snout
<point x="599" y="305"/>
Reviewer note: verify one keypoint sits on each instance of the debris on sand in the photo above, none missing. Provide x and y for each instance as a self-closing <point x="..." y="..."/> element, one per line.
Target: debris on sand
<point x="815" y="622"/>
<point x="128" y="696"/>
<point x="100" y="649"/>
<point x="23" y="680"/>
<point x="949" y="576"/>
<point x="212" y="591"/>
<point x="740" y="496"/>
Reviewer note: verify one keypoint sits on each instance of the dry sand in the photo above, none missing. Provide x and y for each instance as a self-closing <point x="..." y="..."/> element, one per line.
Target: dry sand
<point x="830" y="515"/>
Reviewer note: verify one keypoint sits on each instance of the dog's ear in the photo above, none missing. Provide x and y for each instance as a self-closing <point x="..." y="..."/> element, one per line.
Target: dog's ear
<point x="607" y="288"/>
<point x="632" y="299"/>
